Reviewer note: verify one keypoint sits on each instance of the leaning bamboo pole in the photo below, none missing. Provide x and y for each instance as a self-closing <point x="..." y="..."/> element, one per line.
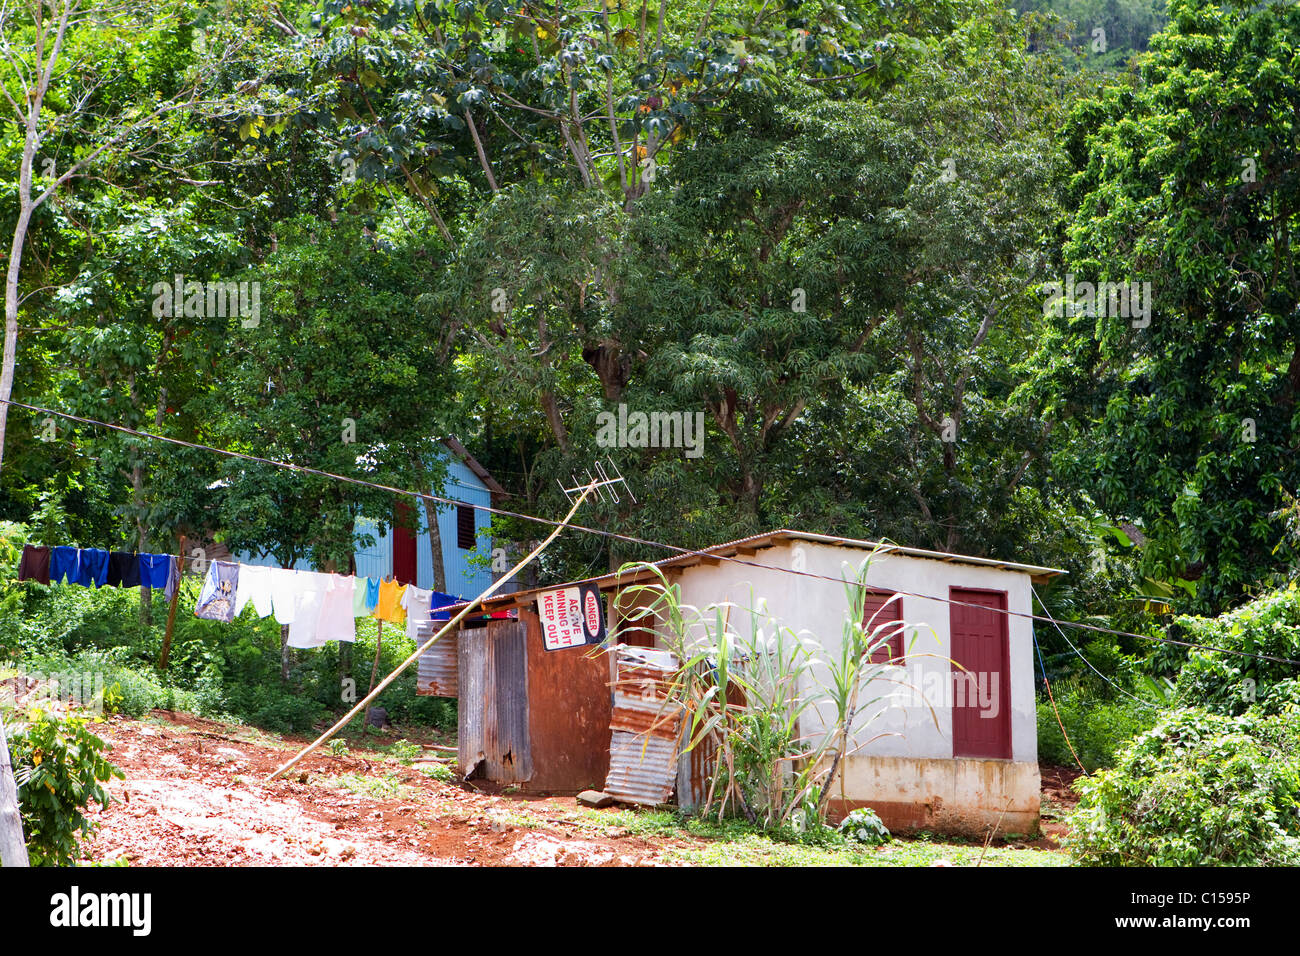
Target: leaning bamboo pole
<point x="460" y="616"/>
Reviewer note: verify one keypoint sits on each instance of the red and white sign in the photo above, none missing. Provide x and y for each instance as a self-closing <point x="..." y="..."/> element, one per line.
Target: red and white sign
<point x="561" y="614"/>
<point x="571" y="617"/>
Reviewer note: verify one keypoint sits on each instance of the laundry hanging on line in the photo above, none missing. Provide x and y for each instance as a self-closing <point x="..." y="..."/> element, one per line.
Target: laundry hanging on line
<point x="422" y="605"/>
<point x="317" y="607"/>
<point x="96" y="567"/>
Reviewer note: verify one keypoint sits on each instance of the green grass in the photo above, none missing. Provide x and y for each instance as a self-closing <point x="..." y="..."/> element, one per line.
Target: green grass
<point x="758" y="850"/>
<point x="386" y="786"/>
<point x="735" y="843"/>
<point x="438" y="771"/>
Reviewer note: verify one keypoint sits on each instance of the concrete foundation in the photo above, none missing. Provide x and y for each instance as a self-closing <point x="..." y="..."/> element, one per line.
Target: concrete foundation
<point x="960" y="796"/>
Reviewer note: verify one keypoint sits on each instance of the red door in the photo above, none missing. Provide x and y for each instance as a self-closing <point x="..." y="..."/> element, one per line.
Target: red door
<point x="981" y="703"/>
<point x="404" y="545"/>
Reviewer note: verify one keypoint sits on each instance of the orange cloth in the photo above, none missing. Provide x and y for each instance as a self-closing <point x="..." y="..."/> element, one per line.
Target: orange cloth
<point x="390" y="607"/>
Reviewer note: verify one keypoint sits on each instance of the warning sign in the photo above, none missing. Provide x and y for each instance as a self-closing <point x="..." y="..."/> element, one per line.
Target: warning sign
<point x="571" y="617"/>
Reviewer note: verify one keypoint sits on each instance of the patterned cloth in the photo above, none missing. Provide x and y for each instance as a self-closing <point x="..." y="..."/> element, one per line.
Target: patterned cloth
<point x="217" y="599"/>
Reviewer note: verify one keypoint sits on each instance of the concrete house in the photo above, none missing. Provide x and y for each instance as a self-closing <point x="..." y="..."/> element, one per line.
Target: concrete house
<point x="954" y="748"/>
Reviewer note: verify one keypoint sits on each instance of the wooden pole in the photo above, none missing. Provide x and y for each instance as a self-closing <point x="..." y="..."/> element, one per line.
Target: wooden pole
<point x="374" y="668"/>
<point x="460" y="616"/>
<point x="171" y="609"/>
<point x="13" y="848"/>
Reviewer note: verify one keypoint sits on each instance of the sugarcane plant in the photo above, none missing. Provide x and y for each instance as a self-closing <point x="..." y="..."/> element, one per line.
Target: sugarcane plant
<point x="775" y="714"/>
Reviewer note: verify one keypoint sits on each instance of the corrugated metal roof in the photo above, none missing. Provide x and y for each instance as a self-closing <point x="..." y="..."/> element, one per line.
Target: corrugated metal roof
<point x="770" y="539"/>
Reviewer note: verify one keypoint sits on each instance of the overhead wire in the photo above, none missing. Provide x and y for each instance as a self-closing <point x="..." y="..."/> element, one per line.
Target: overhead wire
<point x="1079" y="653"/>
<point x="1048" y="684"/>
<point x="630" y="539"/>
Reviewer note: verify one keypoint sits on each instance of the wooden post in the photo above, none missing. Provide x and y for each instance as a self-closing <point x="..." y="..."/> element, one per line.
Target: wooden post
<point x="171" y="609"/>
<point x="13" y="848"/>
<point x="374" y="670"/>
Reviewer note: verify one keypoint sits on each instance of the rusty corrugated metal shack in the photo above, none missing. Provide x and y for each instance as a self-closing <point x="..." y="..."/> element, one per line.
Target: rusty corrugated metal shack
<point x="530" y="717"/>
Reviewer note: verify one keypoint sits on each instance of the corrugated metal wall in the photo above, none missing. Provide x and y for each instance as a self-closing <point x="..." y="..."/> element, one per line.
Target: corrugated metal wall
<point x="494" y="735"/>
<point x="438" y="668"/>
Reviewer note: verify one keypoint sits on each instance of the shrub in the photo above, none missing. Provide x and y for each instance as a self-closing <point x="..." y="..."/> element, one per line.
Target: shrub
<point x="1230" y="683"/>
<point x="1199" y="789"/>
<point x="439" y="771"/>
<point x="129" y="687"/>
<point x="864" y="826"/>
<point x="61" y="768"/>
<point x="1097" y="728"/>
<point x="404" y="752"/>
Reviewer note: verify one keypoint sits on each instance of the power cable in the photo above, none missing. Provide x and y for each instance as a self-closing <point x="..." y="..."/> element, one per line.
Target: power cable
<point x="630" y="539"/>
<point x="1144" y="703"/>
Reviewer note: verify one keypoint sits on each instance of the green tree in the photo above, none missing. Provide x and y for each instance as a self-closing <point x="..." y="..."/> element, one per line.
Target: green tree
<point x="1184" y="421"/>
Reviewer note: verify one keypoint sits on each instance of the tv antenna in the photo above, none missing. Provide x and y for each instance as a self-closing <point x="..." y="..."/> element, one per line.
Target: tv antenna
<point x="601" y="480"/>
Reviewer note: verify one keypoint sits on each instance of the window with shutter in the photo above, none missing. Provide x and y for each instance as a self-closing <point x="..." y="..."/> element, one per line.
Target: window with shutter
<point x="466" y="539"/>
<point x="880" y="620"/>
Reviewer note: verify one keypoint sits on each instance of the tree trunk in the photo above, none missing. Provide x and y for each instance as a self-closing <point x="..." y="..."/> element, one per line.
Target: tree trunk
<point x="551" y="405"/>
<point x="374" y="670"/>
<point x="435" y="546"/>
<point x="13" y="849"/>
<point x="284" y="653"/>
<point x="142" y="534"/>
<point x="11" y="297"/>
<point x="159" y="416"/>
<point x="171" y="608"/>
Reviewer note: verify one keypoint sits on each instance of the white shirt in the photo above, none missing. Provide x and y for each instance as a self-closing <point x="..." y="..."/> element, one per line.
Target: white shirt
<point x="308" y="602"/>
<point x="416" y="601"/>
<point x="338" y="621"/>
<point x="255" y="586"/>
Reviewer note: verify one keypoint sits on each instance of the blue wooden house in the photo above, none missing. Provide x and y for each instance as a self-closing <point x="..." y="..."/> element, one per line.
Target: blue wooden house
<point x="465" y="532"/>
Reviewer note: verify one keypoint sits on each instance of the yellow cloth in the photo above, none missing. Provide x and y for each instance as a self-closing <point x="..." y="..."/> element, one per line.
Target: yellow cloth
<point x="390" y="607"/>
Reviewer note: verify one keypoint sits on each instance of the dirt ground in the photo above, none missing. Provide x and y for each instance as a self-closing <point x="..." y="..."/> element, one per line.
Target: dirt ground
<point x="1059" y="799"/>
<point x="195" y="794"/>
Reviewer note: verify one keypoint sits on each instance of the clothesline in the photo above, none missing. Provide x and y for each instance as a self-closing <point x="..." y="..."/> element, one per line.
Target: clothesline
<point x="98" y="568"/>
<point x="316" y="606"/>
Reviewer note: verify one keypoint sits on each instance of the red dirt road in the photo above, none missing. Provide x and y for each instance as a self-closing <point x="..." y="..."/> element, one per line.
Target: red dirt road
<point x="194" y="795"/>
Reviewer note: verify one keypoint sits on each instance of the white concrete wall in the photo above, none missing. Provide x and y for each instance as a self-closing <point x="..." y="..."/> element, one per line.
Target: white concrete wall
<point x="818" y="607"/>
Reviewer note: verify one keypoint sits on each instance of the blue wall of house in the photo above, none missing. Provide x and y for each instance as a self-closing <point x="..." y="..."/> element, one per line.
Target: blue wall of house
<point x="465" y="578"/>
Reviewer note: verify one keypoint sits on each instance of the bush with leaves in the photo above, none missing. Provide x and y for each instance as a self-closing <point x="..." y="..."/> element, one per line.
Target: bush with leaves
<point x="1199" y="789"/>
<point x="864" y="826"/>
<point x="1230" y="683"/>
<point x="61" y="768"/>
<point x="1097" y="728"/>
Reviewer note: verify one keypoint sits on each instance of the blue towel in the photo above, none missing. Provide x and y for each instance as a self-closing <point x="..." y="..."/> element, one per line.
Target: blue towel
<point x="65" y="561"/>
<point x="441" y="600"/>
<point x="93" y="571"/>
<point x="372" y="593"/>
<point x="154" y="569"/>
